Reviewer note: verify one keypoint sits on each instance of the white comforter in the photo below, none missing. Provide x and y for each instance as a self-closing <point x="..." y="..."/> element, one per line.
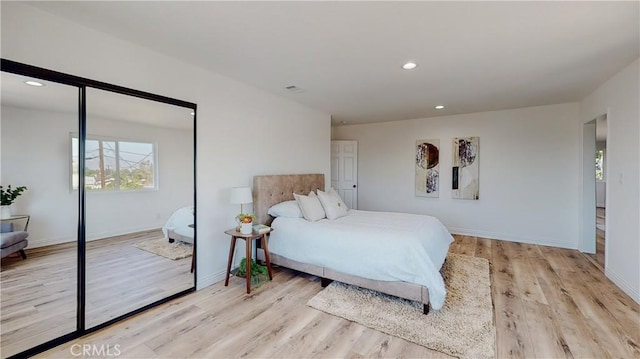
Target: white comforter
<point x="376" y="245"/>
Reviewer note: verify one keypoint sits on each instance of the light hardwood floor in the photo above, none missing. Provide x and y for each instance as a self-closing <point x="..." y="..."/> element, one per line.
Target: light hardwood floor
<point x="598" y="257"/>
<point x="549" y="303"/>
<point x="38" y="295"/>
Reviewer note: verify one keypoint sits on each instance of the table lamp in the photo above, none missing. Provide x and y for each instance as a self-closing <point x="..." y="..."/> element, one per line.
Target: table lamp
<point x="242" y="195"/>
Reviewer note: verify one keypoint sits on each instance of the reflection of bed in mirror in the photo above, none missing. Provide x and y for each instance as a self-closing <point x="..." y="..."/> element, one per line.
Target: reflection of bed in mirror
<point x="148" y="147"/>
<point x="179" y="226"/>
<point x="426" y="244"/>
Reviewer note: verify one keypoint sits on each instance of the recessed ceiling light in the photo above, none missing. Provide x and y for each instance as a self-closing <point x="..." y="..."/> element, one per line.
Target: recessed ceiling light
<point x="439" y="107"/>
<point x="193" y="113"/>
<point x="34" y="83"/>
<point x="409" y="66"/>
<point x="343" y="122"/>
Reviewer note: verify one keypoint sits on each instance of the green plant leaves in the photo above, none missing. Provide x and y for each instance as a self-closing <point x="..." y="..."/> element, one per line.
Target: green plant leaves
<point x="259" y="273"/>
<point x="9" y="195"/>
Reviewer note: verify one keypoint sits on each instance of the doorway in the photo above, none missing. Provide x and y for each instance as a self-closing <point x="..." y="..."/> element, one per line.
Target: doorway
<point x="344" y="171"/>
<point x="595" y="190"/>
<point x="601" y="189"/>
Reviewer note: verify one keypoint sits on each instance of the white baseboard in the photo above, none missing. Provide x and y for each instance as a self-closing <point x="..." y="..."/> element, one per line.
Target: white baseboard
<point x="91" y="236"/>
<point x="49" y="241"/>
<point x="624" y="285"/>
<point x="105" y="234"/>
<point x="512" y="238"/>
<point x="210" y="279"/>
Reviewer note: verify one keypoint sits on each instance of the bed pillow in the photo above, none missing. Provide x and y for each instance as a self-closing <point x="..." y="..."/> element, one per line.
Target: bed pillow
<point x="288" y="209"/>
<point x="310" y="206"/>
<point x="333" y="208"/>
<point x="332" y="192"/>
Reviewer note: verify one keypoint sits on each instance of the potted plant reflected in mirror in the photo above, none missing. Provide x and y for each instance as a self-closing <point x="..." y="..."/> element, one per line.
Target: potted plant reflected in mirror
<point x="8" y="195"/>
<point x="246" y="223"/>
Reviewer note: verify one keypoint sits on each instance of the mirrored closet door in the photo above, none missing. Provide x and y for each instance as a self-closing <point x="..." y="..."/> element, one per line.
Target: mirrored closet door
<point x="105" y="225"/>
<point x="139" y="203"/>
<point x="38" y="279"/>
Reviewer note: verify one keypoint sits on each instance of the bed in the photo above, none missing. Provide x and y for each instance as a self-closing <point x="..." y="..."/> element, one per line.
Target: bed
<point x="391" y="256"/>
<point x="179" y="226"/>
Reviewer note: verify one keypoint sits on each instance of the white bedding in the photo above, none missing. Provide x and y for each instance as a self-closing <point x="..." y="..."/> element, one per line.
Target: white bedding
<point x="375" y="245"/>
<point x="177" y="226"/>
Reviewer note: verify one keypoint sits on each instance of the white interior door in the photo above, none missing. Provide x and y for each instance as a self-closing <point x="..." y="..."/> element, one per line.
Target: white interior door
<point x="344" y="171"/>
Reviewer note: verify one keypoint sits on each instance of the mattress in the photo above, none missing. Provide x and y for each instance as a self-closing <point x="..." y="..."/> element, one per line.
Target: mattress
<point x="381" y="246"/>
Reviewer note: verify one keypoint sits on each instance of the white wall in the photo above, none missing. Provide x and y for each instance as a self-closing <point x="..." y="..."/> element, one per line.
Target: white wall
<point x="588" y="213"/>
<point x="528" y="172"/>
<point x="601" y="186"/>
<point x="241" y="131"/>
<point x="36" y="153"/>
<point x="618" y="98"/>
<point x="40" y="160"/>
<point x="601" y="194"/>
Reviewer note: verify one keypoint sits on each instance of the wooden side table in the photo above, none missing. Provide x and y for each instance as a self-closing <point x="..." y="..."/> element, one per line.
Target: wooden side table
<point x="248" y="238"/>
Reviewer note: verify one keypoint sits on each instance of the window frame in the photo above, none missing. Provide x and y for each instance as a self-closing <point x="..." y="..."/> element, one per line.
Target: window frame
<point x="74" y="136"/>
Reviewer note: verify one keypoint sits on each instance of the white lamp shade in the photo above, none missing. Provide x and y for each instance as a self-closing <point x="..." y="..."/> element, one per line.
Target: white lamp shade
<point x="241" y="195"/>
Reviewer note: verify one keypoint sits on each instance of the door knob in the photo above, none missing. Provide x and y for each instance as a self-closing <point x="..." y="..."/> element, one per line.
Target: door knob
<point x="354" y="186"/>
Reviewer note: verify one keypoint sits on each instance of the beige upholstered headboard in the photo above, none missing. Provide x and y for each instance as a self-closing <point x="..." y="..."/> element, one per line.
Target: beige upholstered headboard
<point x="270" y="190"/>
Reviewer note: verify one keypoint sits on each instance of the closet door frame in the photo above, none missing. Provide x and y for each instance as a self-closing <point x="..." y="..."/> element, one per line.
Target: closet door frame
<point x="82" y="84"/>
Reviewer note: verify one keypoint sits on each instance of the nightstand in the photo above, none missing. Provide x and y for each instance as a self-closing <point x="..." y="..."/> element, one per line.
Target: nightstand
<point x="248" y="238"/>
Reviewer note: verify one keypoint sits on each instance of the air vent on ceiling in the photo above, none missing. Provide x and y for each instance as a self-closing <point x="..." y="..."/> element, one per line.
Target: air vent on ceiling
<point x="294" y="89"/>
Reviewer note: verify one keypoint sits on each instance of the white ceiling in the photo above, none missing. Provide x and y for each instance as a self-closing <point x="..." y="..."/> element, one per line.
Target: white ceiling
<point x="62" y="98"/>
<point x="347" y="56"/>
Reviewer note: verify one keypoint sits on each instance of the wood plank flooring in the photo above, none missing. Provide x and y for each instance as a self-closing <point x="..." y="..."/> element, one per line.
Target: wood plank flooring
<point x="549" y="303"/>
<point x="38" y="295"/>
<point x="598" y="257"/>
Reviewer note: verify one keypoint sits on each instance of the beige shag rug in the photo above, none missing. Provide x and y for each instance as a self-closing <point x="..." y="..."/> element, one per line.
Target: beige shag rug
<point x="463" y="328"/>
<point x="162" y="247"/>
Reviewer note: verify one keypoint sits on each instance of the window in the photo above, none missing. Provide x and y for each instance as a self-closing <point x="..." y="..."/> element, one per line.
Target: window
<point x="115" y="165"/>
<point x="600" y="165"/>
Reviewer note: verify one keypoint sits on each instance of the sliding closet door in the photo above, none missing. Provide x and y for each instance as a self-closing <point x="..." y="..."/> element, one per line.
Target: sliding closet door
<point x="139" y="182"/>
<point x="38" y="293"/>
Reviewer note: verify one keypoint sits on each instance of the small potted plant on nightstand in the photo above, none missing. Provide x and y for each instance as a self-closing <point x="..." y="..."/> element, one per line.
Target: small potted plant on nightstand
<point x="7" y="196"/>
<point x="246" y="223"/>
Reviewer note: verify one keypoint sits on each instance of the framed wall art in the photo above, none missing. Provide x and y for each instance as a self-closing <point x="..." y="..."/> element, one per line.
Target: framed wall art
<point x="465" y="170"/>
<point x="427" y="168"/>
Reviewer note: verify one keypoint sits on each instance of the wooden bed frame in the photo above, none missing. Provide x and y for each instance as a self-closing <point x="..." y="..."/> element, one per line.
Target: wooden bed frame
<point x="273" y="189"/>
